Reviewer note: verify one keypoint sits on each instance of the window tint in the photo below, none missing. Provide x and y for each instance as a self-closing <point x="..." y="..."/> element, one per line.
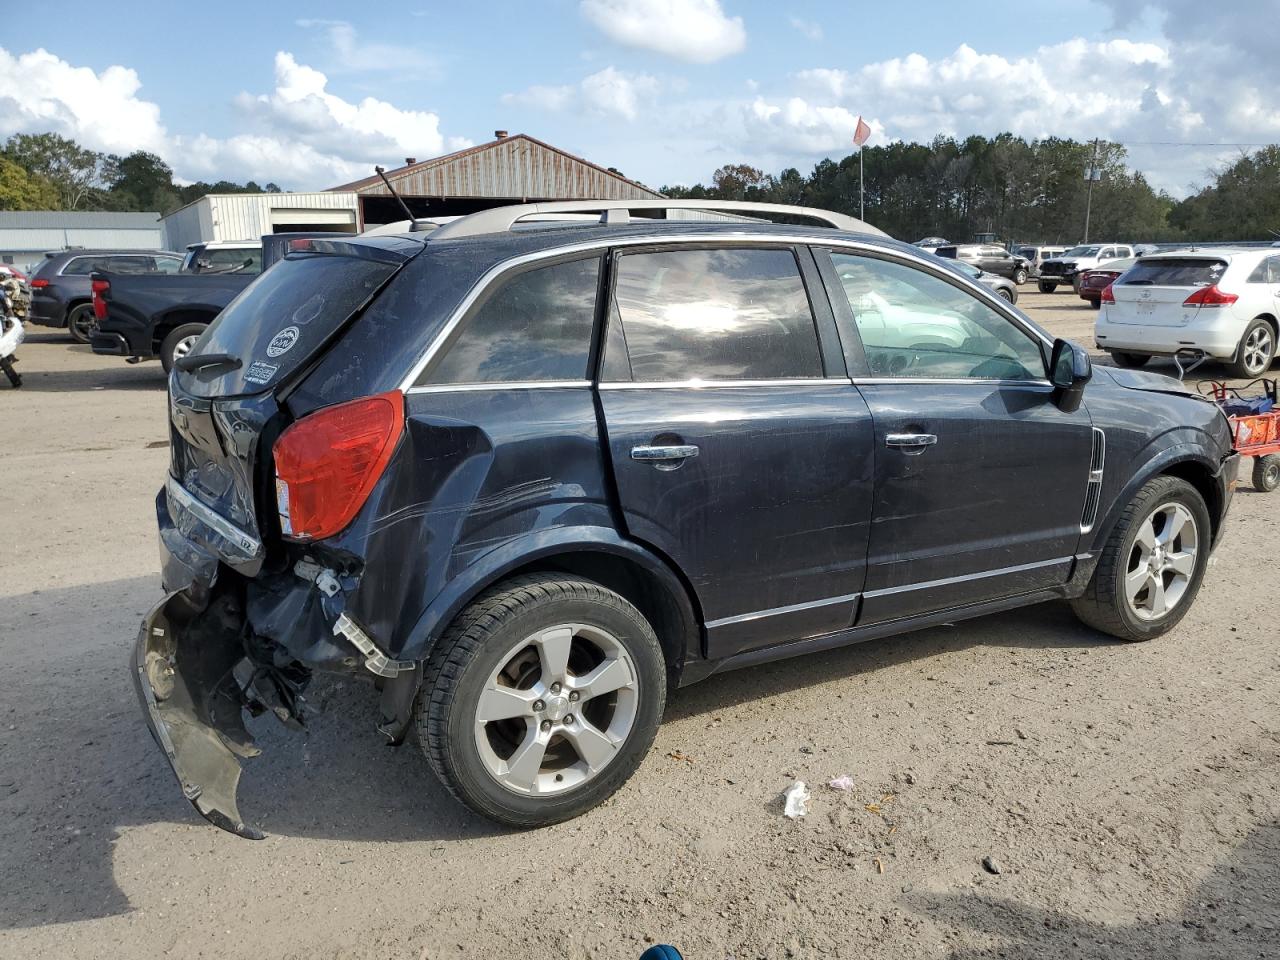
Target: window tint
<point x="536" y="326"/>
<point x="729" y="314"/>
<point x="228" y="260"/>
<point x="83" y="266"/>
<point x="168" y="264"/>
<point x="132" y="264"/>
<point x="1175" y="272"/>
<point x="914" y="324"/>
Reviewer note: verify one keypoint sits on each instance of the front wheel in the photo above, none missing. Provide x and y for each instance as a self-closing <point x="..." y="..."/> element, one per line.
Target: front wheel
<point x="1266" y="473"/>
<point x="1152" y="565"/>
<point x="1020" y="277"/>
<point x="541" y="699"/>
<point x="81" y="323"/>
<point x="178" y="343"/>
<point x="1004" y="294"/>
<point x="1046" y="287"/>
<point x="1256" y="351"/>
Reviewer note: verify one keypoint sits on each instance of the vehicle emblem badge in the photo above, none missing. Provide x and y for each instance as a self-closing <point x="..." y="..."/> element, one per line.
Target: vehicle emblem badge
<point x="282" y="342"/>
<point x="1146" y="294"/>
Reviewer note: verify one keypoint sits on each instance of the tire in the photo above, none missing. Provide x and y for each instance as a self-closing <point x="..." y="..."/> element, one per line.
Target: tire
<point x="1004" y="294"/>
<point x="81" y="323"/>
<point x="1020" y="277"/>
<point x="172" y="347"/>
<point x="1046" y="287"/>
<point x="1075" y="284"/>
<point x="1266" y="473"/>
<point x="487" y="644"/>
<point x="1256" y="351"/>
<point x="1106" y="604"/>
<point x="1095" y="304"/>
<point x="12" y="375"/>
<point x="1130" y="361"/>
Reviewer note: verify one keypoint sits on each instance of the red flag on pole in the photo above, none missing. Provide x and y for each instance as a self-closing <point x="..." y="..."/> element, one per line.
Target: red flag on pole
<point x="862" y="132"/>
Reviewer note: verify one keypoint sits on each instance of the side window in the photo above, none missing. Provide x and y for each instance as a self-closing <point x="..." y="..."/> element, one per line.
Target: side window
<point x="736" y="313"/>
<point x="83" y="266"/>
<point x="535" y="326"/>
<point x="134" y="264"/>
<point x="916" y="325"/>
<point x="1275" y="269"/>
<point x="1264" y="272"/>
<point x="168" y="264"/>
<point x="1106" y="254"/>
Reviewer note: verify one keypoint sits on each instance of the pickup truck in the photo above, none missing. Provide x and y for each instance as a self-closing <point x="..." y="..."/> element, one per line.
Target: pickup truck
<point x="149" y="316"/>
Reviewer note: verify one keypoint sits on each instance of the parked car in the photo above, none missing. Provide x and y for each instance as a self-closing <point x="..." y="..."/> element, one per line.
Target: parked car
<point x="988" y="257"/>
<point x="1002" y="287"/>
<point x="444" y="461"/>
<point x="1035" y="255"/>
<point x="61" y="290"/>
<point x="1223" y="302"/>
<point x="224" y="256"/>
<point x="1066" y="268"/>
<point x="931" y="243"/>
<point x="1097" y="279"/>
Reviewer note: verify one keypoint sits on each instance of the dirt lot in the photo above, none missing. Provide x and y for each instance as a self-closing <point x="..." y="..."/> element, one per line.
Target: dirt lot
<point x="1130" y="794"/>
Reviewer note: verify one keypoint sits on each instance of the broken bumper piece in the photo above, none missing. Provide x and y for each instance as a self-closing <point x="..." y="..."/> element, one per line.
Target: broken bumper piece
<point x="194" y="705"/>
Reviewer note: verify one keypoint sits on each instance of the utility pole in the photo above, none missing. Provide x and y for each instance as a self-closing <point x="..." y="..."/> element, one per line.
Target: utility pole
<point x="1088" y="204"/>
<point x="862" y="195"/>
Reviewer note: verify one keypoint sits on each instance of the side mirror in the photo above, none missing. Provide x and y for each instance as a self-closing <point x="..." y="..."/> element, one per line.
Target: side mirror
<point x="1069" y="370"/>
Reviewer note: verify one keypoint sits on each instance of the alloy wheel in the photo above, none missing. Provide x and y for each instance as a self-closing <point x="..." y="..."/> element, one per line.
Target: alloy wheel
<point x="1162" y="561"/>
<point x="184" y="346"/>
<point x="556" y="710"/>
<point x="1257" y="349"/>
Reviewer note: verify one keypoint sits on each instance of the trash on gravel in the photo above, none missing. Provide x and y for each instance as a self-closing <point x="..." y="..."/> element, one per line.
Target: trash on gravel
<point x="677" y="755"/>
<point x="795" y="800"/>
<point x="842" y="782"/>
<point x="879" y="865"/>
<point x="991" y="865"/>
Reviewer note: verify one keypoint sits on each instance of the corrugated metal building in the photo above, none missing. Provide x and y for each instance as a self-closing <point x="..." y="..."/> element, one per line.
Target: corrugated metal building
<point x="509" y="169"/>
<point x="248" y="216"/>
<point x="27" y="235"/>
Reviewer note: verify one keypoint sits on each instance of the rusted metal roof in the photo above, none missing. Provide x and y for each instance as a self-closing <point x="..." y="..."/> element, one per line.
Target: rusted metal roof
<point x="518" y="166"/>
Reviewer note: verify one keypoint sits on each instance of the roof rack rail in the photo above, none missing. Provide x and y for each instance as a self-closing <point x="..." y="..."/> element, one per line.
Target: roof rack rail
<point x="502" y="219"/>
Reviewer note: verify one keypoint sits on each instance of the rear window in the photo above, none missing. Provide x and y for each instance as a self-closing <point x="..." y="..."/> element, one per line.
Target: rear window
<point x="281" y="319"/>
<point x="1175" y="272"/>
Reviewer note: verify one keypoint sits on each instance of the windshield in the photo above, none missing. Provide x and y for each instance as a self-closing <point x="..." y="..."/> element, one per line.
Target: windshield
<point x="1082" y="252"/>
<point x="1027" y="253"/>
<point x="968" y="269"/>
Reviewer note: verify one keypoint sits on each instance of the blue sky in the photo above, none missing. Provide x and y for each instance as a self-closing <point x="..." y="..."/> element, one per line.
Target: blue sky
<point x="666" y="90"/>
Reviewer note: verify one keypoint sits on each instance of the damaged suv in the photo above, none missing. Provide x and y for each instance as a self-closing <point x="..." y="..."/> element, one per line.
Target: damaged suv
<point x="528" y="477"/>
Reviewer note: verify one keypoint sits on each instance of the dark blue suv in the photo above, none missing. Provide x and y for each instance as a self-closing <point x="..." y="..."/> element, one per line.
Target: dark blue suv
<point x="529" y="477"/>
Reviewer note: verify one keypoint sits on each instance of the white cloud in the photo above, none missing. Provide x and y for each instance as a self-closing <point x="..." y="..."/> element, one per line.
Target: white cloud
<point x="608" y="92"/>
<point x="350" y="54"/>
<point x="299" y="135"/>
<point x="697" y="31"/>
<point x="807" y="28"/>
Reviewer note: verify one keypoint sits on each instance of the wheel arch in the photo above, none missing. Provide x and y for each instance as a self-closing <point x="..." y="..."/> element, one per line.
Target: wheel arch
<point x="172" y="319"/>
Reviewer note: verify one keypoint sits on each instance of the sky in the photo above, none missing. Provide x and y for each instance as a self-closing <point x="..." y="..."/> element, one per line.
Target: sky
<point x="313" y="95"/>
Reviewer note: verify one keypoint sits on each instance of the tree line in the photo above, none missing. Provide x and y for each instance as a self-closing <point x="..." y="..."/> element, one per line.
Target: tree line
<point x="46" y="171"/>
<point x="1022" y="191"/>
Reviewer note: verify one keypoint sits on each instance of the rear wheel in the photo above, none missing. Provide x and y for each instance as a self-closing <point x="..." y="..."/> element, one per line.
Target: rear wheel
<point x="178" y="343"/>
<point x="1256" y="351"/>
<point x="1004" y="294"/>
<point x="541" y="699"/>
<point x="1047" y="287"/>
<point x="1131" y="361"/>
<point x="1096" y="304"/>
<point x="1266" y="473"/>
<point x="81" y="323"/>
<point x="1152" y="564"/>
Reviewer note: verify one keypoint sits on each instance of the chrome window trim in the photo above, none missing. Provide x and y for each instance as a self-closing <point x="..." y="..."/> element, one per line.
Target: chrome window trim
<point x="876" y="381"/>
<point x="778" y="611"/>
<point x="602" y="244"/>
<point x="499" y="385"/>
<point x="702" y="384"/>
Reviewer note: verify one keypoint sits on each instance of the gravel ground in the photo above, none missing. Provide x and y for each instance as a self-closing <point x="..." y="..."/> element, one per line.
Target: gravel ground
<point x="1129" y="796"/>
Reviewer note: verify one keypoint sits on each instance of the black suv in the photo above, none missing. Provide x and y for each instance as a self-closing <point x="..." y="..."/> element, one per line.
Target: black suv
<point x="529" y="478"/>
<point x="61" y="289"/>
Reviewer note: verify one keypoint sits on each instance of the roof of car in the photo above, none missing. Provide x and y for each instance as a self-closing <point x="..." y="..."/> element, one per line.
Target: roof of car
<point x="106" y="252"/>
<point x="1209" y="253"/>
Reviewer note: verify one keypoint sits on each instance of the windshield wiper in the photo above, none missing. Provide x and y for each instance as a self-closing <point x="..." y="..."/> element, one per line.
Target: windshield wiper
<point x="189" y="363"/>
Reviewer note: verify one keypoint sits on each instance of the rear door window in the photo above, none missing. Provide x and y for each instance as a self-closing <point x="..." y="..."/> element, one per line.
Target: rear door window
<point x="83" y="266"/>
<point x="1175" y="272"/>
<point x="131" y="264"/>
<point x="535" y="326"/>
<point x="737" y="313"/>
<point x="280" y="320"/>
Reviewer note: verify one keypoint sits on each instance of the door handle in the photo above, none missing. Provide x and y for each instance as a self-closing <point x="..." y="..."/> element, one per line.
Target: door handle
<point x="664" y="453"/>
<point x="911" y="443"/>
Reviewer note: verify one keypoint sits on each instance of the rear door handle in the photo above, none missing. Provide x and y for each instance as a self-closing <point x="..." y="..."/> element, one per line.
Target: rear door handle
<point x="664" y="453"/>
<point x="911" y="442"/>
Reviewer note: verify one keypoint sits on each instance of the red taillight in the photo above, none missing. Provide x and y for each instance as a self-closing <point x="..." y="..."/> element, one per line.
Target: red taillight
<point x="327" y="463"/>
<point x="301" y="243"/>
<point x="100" y="287"/>
<point x="39" y="284"/>
<point x="1108" y="295"/>
<point x="1210" y="296"/>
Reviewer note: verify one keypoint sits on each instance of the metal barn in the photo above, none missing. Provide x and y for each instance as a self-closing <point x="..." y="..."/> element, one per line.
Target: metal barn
<point x="27" y="235"/>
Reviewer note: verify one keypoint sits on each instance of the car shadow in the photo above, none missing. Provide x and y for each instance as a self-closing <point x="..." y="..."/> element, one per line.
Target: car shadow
<point x="125" y="377"/>
<point x="1234" y="911"/>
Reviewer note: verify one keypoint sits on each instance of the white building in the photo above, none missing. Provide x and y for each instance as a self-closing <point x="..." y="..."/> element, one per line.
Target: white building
<point x="27" y="235"/>
<point x="250" y="216"/>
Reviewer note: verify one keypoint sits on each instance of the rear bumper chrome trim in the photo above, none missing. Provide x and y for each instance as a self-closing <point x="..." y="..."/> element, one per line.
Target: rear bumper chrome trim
<point x="236" y="545"/>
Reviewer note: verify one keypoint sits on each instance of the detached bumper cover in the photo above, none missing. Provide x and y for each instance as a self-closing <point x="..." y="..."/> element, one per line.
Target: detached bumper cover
<point x="193" y="704"/>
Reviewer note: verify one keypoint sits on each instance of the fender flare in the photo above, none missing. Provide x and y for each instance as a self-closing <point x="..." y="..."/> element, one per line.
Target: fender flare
<point x="493" y="566"/>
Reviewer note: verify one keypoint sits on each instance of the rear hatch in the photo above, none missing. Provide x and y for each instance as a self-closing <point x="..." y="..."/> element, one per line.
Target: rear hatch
<point x="224" y="415"/>
<point x="1154" y="291"/>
